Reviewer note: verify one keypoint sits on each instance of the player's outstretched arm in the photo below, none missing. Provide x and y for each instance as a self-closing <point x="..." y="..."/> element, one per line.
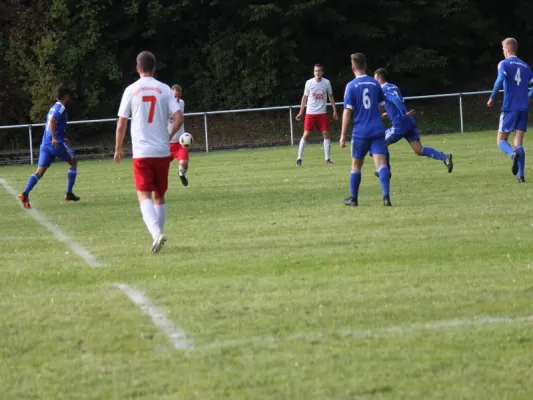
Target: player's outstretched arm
<point x="346" y="118"/>
<point x="178" y="122"/>
<point x="332" y="101"/>
<point x="52" y="125"/>
<point x="497" y="86"/>
<point x="120" y="133"/>
<point x="302" y="107"/>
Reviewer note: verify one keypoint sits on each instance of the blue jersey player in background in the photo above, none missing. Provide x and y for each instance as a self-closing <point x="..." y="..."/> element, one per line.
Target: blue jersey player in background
<point x="363" y="98"/>
<point x="403" y="125"/>
<point x="54" y="145"/>
<point x="516" y="76"/>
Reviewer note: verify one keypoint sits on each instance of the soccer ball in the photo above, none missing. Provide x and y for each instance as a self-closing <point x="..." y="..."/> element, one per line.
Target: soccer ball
<point x="186" y="140"/>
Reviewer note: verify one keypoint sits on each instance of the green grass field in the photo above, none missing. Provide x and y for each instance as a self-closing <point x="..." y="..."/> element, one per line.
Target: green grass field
<point x="283" y="291"/>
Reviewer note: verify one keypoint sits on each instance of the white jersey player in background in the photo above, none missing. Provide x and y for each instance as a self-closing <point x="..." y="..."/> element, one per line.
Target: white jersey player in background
<point x="149" y="102"/>
<point x="178" y="152"/>
<point x="316" y="93"/>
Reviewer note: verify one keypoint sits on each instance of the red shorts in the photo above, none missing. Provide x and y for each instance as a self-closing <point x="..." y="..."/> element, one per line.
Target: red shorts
<point x="318" y="120"/>
<point x="151" y="174"/>
<point x="179" y="152"/>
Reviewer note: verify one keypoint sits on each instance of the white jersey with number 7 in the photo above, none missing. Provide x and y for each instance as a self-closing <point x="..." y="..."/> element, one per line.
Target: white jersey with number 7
<point x="149" y="103"/>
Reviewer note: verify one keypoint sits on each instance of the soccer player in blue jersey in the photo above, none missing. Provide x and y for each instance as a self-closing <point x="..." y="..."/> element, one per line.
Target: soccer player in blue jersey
<point x="403" y="125"/>
<point x="54" y="145"/>
<point x="363" y="98"/>
<point x="516" y="76"/>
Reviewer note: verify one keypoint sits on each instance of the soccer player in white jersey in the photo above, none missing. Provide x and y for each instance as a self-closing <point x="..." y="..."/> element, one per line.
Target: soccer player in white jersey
<point x="316" y="93"/>
<point x="178" y="152"/>
<point x="149" y="103"/>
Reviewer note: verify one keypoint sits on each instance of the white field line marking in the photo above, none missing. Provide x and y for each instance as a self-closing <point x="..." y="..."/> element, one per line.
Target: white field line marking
<point x="176" y="335"/>
<point x="89" y="258"/>
<point x="368" y="333"/>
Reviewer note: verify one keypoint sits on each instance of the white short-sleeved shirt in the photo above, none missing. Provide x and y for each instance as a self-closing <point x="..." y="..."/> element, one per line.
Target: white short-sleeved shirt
<point x="317" y="95"/>
<point x="176" y="137"/>
<point x="149" y="103"/>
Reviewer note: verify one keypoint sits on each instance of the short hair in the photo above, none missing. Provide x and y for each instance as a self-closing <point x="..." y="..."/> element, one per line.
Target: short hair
<point x="146" y="62"/>
<point x="176" y="87"/>
<point x="319" y="66"/>
<point x="511" y="44"/>
<point x="63" y="91"/>
<point x="382" y="73"/>
<point x="358" y="61"/>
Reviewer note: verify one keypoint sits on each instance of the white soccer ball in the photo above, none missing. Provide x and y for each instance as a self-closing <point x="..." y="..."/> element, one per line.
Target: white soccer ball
<point x="186" y="140"/>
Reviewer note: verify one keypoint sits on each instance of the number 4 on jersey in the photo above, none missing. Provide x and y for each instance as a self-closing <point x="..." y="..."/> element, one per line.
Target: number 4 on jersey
<point x="517" y="77"/>
<point x="152" y="100"/>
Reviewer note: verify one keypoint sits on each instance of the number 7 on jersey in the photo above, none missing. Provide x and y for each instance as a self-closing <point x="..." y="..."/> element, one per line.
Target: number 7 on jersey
<point x="152" y="100"/>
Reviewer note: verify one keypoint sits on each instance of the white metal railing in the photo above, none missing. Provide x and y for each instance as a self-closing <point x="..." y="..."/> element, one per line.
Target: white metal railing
<point x="206" y="113"/>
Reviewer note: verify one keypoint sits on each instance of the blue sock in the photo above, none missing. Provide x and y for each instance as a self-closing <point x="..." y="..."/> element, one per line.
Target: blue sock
<point x="388" y="158"/>
<point x="355" y="181"/>
<point x="71" y="179"/>
<point x="521" y="160"/>
<point x="32" y="181"/>
<point x="432" y="153"/>
<point x="384" y="179"/>
<point x="505" y="147"/>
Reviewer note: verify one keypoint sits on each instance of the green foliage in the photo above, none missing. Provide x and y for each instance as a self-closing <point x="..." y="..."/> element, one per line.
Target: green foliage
<point x="238" y="53"/>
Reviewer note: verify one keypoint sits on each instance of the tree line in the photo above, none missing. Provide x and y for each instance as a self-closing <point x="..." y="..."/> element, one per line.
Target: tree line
<point x="242" y="53"/>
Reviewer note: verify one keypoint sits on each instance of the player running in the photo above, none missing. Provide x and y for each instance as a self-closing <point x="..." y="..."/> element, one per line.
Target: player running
<point x="403" y="125"/>
<point x="316" y="92"/>
<point x="516" y="76"/>
<point x="54" y="145"/>
<point x="363" y="98"/>
<point x="149" y="103"/>
<point x="177" y="151"/>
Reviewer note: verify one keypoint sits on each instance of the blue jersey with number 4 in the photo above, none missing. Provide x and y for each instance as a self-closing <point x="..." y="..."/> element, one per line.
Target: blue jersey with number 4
<point x="363" y="96"/>
<point x="59" y="113"/>
<point x="516" y="76"/>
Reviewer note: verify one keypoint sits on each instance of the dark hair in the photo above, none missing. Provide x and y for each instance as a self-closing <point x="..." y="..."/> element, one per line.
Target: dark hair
<point x="358" y="61"/>
<point x="146" y="62"/>
<point x="63" y="91"/>
<point x="320" y="66"/>
<point x="382" y="73"/>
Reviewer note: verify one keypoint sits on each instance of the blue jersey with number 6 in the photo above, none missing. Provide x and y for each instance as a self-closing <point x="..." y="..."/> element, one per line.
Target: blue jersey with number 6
<point x="363" y="96"/>
<point x="516" y="76"/>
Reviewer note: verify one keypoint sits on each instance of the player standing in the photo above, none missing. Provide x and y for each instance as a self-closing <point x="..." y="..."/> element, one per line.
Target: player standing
<point x="403" y="125"/>
<point x="178" y="152"/>
<point x="149" y="103"/>
<point x="54" y="145"/>
<point x="316" y="92"/>
<point x="516" y="76"/>
<point x="363" y="98"/>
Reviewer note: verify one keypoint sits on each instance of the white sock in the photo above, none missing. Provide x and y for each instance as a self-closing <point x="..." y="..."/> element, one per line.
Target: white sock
<point x="327" y="143"/>
<point x="301" y="149"/>
<point x="161" y="211"/>
<point x="150" y="217"/>
<point x="181" y="171"/>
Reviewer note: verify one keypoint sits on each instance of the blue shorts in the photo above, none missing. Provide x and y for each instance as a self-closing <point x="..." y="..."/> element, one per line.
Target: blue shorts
<point x="392" y="135"/>
<point x="48" y="154"/>
<point x="376" y="145"/>
<point x="513" y="120"/>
